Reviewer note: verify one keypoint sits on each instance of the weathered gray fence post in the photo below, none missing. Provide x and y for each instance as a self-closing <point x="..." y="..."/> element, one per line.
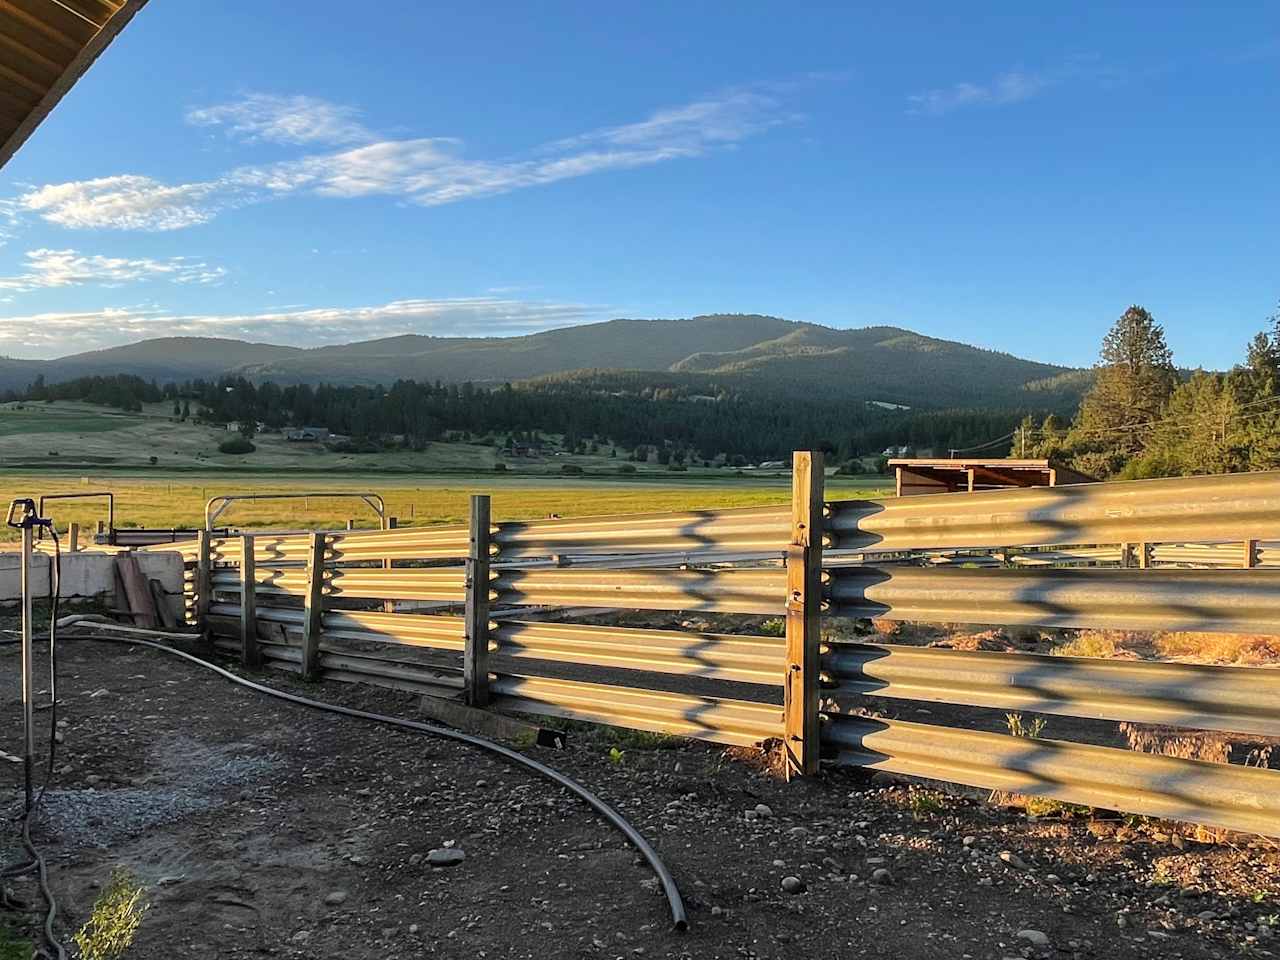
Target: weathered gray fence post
<point x="203" y="585"/>
<point x="801" y="736"/>
<point x="250" y="652"/>
<point x="313" y="609"/>
<point x="475" y="656"/>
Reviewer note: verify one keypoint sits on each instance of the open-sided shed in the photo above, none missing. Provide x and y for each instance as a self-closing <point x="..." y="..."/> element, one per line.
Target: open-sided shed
<point x="915" y="477"/>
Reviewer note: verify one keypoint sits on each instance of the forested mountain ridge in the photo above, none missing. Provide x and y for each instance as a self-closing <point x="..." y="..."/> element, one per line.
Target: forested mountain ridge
<point x="739" y="352"/>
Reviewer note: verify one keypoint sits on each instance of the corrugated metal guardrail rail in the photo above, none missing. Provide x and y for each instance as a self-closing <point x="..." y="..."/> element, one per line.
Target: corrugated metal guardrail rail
<point x="1225" y="795"/>
<point x="1223" y="601"/>
<point x="1235" y="507"/>
<point x="706" y="591"/>
<point x="1027" y="541"/>
<point x="706" y="718"/>
<point x="1233" y="699"/>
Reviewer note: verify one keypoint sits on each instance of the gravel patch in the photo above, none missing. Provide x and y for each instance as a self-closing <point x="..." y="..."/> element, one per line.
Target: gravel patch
<point x="190" y="778"/>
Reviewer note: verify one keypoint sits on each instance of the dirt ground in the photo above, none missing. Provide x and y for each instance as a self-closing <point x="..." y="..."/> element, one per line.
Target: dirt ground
<point x="262" y="828"/>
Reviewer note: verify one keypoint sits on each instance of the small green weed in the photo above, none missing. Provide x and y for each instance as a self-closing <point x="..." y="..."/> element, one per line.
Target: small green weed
<point x="774" y="627"/>
<point x="115" y="920"/>
<point x="14" y="947"/>
<point x="924" y="804"/>
<point x="1020" y="728"/>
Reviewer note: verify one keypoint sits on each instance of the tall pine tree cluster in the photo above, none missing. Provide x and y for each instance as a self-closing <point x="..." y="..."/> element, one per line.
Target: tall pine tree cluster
<point x="1142" y="419"/>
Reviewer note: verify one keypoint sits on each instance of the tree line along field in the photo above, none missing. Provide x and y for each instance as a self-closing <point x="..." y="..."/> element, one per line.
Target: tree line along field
<point x="80" y="436"/>
<point x="179" y="501"/>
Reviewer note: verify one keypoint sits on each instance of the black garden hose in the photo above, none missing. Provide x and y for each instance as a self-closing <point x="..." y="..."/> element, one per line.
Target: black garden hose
<point x="678" y="916"/>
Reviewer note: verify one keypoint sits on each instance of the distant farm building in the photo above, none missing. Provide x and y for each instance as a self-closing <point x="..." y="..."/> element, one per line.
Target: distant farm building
<point x="522" y="450"/>
<point x="308" y="435"/>
<point x="918" y="476"/>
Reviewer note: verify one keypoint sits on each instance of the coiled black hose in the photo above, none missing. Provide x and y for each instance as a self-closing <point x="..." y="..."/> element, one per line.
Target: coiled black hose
<point x="678" y="916"/>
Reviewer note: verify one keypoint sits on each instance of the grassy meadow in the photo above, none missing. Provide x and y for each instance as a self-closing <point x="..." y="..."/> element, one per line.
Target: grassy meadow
<point x="179" y="501"/>
<point x="79" y="448"/>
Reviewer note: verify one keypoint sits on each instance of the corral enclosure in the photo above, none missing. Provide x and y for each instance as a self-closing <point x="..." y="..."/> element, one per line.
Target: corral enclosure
<point x="482" y="612"/>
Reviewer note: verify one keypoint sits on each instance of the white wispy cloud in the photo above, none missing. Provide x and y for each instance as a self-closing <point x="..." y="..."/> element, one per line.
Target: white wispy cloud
<point x="1013" y="87"/>
<point x="125" y="202"/>
<point x="59" y="334"/>
<point x="428" y="171"/>
<point x="284" y="119"/>
<point x="46" y="268"/>
<point x="1016" y="86"/>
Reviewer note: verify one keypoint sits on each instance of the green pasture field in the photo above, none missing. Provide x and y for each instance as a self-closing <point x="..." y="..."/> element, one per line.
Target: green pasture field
<point x="179" y="501"/>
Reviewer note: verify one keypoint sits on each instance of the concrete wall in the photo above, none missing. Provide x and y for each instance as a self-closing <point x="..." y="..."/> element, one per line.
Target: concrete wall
<point x="89" y="575"/>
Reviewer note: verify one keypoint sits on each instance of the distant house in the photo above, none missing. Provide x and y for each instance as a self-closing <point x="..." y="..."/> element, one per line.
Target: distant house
<point x="308" y="435"/>
<point x="901" y="451"/>
<point x="773" y="465"/>
<point x="522" y="450"/>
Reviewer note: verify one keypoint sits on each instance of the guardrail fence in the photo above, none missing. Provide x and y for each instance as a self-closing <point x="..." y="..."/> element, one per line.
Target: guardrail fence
<point x="462" y="610"/>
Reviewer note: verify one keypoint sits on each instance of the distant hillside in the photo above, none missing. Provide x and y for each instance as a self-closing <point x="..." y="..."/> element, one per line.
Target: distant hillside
<point x="172" y="358"/>
<point x="620" y="344"/>
<point x="765" y="355"/>
<point x="161" y="359"/>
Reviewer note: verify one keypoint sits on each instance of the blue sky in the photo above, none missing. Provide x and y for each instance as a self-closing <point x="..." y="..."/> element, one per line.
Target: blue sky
<point x="1004" y="175"/>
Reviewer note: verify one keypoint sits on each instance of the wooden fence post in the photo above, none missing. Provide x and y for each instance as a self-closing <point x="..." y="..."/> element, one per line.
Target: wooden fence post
<point x="801" y="735"/>
<point x="250" y="653"/>
<point x="388" y="523"/>
<point x="73" y="538"/>
<point x="204" y="580"/>
<point x="313" y="609"/>
<point x="475" y="656"/>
